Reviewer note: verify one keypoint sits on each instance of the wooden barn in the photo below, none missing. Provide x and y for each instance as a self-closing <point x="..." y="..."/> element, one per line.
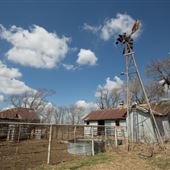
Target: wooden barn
<point x="142" y="128"/>
<point x="12" y="131"/>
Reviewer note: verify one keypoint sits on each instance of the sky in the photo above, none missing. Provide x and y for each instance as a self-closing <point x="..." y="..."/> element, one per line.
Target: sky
<point x="69" y="45"/>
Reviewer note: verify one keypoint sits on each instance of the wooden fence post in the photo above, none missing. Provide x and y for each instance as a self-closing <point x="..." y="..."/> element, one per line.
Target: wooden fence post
<point x="115" y="136"/>
<point x="92" y="141"/>
<point x="105" y="136"/>
<point x="49" y="145"/>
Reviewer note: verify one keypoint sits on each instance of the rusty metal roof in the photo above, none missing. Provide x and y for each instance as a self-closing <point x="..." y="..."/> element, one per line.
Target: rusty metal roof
<point x="160" y="109"/>
<point x="24" y="114"/>
<point x="106" y="114"/>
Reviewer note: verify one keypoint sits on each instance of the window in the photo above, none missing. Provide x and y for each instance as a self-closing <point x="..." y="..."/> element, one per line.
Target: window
<point x="117" y="122"/>
<point x="87" y="123"/>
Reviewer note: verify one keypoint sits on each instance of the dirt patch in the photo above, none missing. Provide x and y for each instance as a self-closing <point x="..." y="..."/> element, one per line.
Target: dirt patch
<point x="31" y="153"/>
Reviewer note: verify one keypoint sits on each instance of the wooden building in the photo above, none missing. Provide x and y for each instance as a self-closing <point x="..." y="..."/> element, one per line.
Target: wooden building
<point x="13" y="131"/>
<point x="142" y="126"/>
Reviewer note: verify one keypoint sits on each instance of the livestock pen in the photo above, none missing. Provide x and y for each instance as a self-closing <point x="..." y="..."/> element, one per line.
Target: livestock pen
<point x="53" y="144"/>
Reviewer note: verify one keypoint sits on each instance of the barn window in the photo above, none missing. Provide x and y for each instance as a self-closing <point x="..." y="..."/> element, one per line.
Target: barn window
<point x="87" y="123"/>
<point x="117" y="123"/>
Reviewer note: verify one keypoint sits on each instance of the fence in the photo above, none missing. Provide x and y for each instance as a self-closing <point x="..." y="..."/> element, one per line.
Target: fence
<point x="27" y="145"/>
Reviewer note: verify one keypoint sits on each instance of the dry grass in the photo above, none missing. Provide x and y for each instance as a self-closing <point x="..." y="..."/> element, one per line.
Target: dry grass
<point x="141" y="157"/>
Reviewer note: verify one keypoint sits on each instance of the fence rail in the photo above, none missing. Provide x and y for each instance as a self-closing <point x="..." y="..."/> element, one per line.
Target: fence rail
<point x="26" y="145"/>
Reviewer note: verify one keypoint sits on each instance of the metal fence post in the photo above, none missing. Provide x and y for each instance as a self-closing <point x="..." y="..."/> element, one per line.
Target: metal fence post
<point x="92" y="141"/>
<point x="49" y="145"/>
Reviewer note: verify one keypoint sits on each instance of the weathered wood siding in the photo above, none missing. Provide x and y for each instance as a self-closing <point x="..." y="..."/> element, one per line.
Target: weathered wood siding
<point x="142" y="129"/>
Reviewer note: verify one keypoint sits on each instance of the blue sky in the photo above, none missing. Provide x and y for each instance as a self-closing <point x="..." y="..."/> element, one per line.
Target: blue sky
<point x="70" y="46"/>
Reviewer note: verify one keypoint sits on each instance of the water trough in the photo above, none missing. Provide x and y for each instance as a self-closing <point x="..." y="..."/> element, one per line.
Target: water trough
<point x="84" y="146"/>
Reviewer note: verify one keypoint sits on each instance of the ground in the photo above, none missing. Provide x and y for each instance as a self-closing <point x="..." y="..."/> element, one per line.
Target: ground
<point x="119" y="160"/>
<point x="32" y="155"/>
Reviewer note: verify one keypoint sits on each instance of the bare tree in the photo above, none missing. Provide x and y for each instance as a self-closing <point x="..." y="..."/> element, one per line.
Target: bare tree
<point x="36" y="100"/>
<point x="75" y="114"/>
<point x="107" y="99"/>
<point x="153" y="89"/>
<point x="60" y="115"/>
<point x="159" y="70"/>
<point x="136" y="93"/>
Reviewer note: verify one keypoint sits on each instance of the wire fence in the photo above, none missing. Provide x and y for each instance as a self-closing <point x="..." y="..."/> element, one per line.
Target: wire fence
<point x="27" y="145"/>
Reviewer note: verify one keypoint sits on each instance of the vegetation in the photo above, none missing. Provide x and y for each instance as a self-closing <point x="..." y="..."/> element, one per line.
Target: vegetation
<point x="79" y="163"/>
<point x="114" y="160"/>
<point x="162" y="163"/>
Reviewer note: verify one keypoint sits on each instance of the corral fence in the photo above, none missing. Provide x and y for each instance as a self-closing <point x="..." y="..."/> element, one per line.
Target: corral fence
<point x="27" y="145"/>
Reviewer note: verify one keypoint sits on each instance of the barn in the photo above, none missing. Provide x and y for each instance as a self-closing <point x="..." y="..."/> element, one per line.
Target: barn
<point x="141" y="124"/>
<point x="141" y="127"/>
<point x="13" y="131"/>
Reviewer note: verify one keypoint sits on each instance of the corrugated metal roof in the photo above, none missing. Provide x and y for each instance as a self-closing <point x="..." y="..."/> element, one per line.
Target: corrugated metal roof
<point x="158" y="109"/>
<point x="106" y="114"/>
<point x="24" y="114"/>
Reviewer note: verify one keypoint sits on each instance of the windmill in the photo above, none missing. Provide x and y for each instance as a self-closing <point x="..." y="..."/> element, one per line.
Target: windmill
<point x="127" y="41"/>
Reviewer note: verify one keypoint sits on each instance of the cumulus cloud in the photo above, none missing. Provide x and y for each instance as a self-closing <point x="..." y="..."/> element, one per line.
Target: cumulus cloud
<point x="86" y="105"/>
<point x="86" y="57"/>
<point x="35" y="47"/>
<point x="9" y="81"/>
<point x="113" y="26"/>
<point x="111" y="85"/>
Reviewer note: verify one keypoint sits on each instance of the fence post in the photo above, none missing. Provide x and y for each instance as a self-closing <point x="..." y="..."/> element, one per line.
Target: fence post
<point x="49" y="145"/>
<point x="92" y="141"/>
<point x="105" y="136"/>
<point x="115" y="136"/>
<point x="19" y="132"/>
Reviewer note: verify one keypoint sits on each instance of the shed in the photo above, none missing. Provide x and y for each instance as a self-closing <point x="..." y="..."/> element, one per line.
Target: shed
<point x="142" y="126"/>
<point x="106" y="117"/>
<point x="15" y="131"/>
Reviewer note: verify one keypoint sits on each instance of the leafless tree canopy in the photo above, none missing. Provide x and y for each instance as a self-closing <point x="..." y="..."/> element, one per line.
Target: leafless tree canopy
<point x="107" y="99"/>
<point x="36" y="100"/>
<point x="136" y="93"/>
<point x="159" y="70"/>
<point x="153" y="89"/>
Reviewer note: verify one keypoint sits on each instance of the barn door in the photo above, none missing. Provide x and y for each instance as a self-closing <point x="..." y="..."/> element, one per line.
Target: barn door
<point x="100" y="130"/>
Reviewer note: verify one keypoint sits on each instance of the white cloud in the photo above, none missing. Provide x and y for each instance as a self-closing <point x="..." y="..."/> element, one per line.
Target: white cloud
<point x="35" y="47"/>
<point x="86" y="105"/>
<point x="1" y="98"/>
<point x="114" y="26"/>
<point x="9" y="83"/>
<point x="86" y="57"/>
<point x="115" y="84"/>
<point x="69" y="67"/>
<point x="91" y="28"/>
<point x="111" y="85"/>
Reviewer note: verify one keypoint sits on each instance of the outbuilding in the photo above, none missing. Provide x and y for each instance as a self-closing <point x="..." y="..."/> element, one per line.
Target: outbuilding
<point x="106" y="117"/>
<point x="13" y="131"/>
<point x="142" y="128"/>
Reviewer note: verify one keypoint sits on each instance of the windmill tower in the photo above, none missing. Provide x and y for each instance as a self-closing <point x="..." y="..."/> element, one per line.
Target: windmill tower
<point x="127" y="41"/>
